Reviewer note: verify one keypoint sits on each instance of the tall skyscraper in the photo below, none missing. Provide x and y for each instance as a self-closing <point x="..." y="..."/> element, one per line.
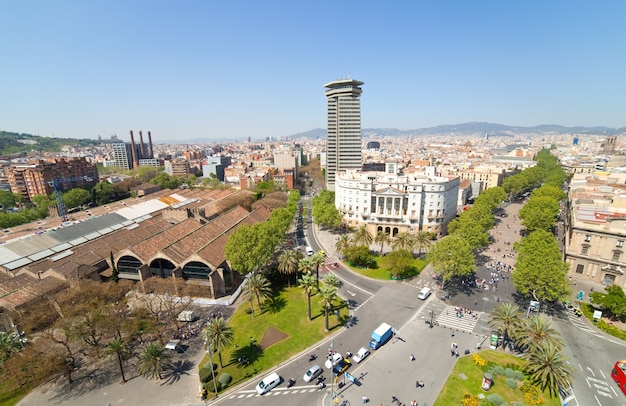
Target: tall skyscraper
<point x="343" y="134"/>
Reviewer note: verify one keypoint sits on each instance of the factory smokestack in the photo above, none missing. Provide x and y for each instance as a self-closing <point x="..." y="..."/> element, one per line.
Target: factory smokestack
<point x="150" y="143"/>
<point x="142" y="147"/>
<point x="134" y="151"/>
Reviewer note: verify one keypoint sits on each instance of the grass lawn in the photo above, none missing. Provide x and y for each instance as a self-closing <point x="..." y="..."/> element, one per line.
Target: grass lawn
<point x="286" y="312"/>
<point x="10" y="398"/>
<point x="381" y="272"/>
<point x="456" y="386"/>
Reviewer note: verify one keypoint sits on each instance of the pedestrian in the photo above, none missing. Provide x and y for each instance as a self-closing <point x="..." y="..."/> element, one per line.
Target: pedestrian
<point x="365" y="399"/>
<point x="412" y="358"/>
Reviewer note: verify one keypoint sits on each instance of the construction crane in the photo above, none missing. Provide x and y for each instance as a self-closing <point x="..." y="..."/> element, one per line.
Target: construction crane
<point x="58" y="193"/>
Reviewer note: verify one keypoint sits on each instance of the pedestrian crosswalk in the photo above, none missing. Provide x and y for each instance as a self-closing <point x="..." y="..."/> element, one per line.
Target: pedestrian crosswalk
<point x="243" y="394"/>
<point x="579" y="322"/>
<point x="459" y="321"/>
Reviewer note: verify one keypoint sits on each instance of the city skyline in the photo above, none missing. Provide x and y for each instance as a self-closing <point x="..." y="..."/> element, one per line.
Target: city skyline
<point x="230" y="70"/>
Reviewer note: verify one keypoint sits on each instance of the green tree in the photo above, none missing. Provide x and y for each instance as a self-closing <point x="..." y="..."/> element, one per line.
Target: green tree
<point x="118" y="348"/>
<point x="491" y="198"/>
<point x="548" y="366"/>
<point x="506" y="320"/>
<point x="343" y="242"/>
<point x="240" y="249"/>
<point x="422" y="241"/>
<point x="613" y="301"/>
<point x="470" y="231"/>
<point x="219" y="335"/>
<point x="152" y="360"/>
<point x="308" y="283"/>
<point x="539" y="270"/>
<point x="403" y="241"/>
<point x="7" y="200"/>
<point x="257" y="287"/>
<point x="553" y="192"/>
<point x="288" y="263"/>
<point x="102" y="192"/>
<point x="317" y="259"/>
<point x="9" y="344"/>
<point x="359" y="255"/>
<point x="534" y="331"/>
<point x="76" y="198"/>
<point x="400" y="262"/>
<point x="362" y="236"/>
<point x="539" y="213"/>
<point x="328" y="294"/>
<point x="452" y="257"/>
<point x="305" y="265"/>
<point x="331" y="280"/>
<point x="382" y="238"/>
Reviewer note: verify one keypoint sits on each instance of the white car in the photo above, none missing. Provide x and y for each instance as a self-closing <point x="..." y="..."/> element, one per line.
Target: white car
<point x="312" y="373"/>
<point x="268" y="383"/>
<point x="360" y="355"/>
<point x="333" y="360"/>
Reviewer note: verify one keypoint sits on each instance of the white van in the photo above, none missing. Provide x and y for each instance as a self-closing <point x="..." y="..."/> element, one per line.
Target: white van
<point x="424" y="293"/>
<point x="268" y="383"/>
<point x="309" y="251"/>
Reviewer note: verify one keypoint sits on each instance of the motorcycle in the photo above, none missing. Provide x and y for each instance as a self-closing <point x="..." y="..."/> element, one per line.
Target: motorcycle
<point x="291" y="382"/>
<point x="321" y="385"/>
<point x="312" y="357"/>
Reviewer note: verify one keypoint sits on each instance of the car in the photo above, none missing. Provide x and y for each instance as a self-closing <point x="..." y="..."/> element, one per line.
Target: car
<point x="333" y="360"/>
<point x="360" y="355"/>
<point x="309" y="251"/>
<point x="312" y="373"/>
<point x="268" y="383"/>
<point x="341" y="367"/>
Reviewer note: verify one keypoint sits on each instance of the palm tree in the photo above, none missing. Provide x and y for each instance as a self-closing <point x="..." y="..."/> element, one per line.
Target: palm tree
<point x="328" y="294"/>
<point x="308" y="283"/>
<point x="331" y="280"/>
<point x="119" y="348"/>
<point x="317" y="259"/>
<point x="506" y="320"/>
<point x="9" y="344"/>
<point x="362" y="236"/>
<point x="535" y="330"/>
<point x="548" y="366"/>
<point x="422" y="241"/>
<point x="219" y="336"/>
<point x="288" y="263"/>
<point x="343" y="242"/>
<point x="382" y="238"/>
<point x="403" y="241"/>
<point x="257" y="287"/>
<point x="151" y="361"/>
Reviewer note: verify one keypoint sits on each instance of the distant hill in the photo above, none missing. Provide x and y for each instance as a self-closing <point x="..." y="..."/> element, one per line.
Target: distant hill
<point x="473" y="128"/>
<point x="19" y="144"/>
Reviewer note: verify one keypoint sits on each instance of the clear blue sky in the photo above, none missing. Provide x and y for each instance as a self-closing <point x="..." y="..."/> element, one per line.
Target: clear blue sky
<point x="209" y="69"/>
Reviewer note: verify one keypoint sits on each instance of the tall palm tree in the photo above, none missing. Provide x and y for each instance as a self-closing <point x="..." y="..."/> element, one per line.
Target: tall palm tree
<point x="219" y="336"/>
<point x="308" y="283"/>
<point x="422" y="241"/>
<point x="506" y="320"/>
<point x="305" y="265"/>
<point x="382" y="238"/>
<point x="9" y="344"/>
<point x="328" y="294"/>
<point x="257" y="287"/>
<point x="403" y="241"/>
<point x="317" y="259"/>
<point x="343" y="242"/>
<point x="118" y="347"/>
<point x="288" y="263"/>
<point x="362" y="236"/>
<point x="151" y="361"/>
<point x="547" y="365"/>
<point x="535" y="330"/>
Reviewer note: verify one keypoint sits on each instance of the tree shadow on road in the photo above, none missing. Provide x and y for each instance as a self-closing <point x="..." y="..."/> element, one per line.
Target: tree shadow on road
<point x="175" y="370"/>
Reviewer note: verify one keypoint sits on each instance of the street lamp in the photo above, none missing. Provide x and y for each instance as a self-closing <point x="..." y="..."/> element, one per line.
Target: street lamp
<point x="207" y="342"/>
<point x="482" y="321"/>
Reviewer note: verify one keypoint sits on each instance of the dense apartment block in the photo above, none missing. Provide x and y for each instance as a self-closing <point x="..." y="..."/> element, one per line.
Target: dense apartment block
<point x="38" y="177"/>
<point x="594" y="243"/>
<point x="395" y="201"/>
<point x="343" y="134"/>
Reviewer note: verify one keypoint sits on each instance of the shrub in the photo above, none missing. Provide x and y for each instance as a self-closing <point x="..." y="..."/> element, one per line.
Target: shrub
<point x="517" y="404"/>
<point x="519" y="375"/>
<point x="478" y="360"/>
<point x="225" y="380"/>
<point x="532" y="395"/>
<point x="509" y="373"/>
<point x="205" y="374"/>
<point x="469" y="400"/>
<point x="495" y="399"/>
<point x="511" y="383"/>
<point x="497" y="371"/>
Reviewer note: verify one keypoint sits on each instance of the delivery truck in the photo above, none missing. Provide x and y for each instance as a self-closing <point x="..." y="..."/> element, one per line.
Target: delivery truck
<point x="381" y="335"/>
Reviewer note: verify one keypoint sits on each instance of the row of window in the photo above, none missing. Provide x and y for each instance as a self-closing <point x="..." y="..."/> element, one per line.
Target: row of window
<point x="619" y="243"/>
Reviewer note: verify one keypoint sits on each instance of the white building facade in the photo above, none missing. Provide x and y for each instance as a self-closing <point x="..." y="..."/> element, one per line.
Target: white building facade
<point x="396" y="202"/>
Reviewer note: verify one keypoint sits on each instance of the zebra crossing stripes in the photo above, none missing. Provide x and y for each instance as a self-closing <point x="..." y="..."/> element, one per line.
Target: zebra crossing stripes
<point x="579" y="323"/>
<point x="245" y="394"/>
<point x="449" y="318"/>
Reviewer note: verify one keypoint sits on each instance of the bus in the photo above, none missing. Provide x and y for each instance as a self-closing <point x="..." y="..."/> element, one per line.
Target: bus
<point x="619" y="374"/>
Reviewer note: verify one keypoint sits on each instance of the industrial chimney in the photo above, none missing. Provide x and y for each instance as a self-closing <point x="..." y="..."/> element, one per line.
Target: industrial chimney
<point x="134" y="151"/>
<point x="150" y="143"/>
<point x="142" y="147"/>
